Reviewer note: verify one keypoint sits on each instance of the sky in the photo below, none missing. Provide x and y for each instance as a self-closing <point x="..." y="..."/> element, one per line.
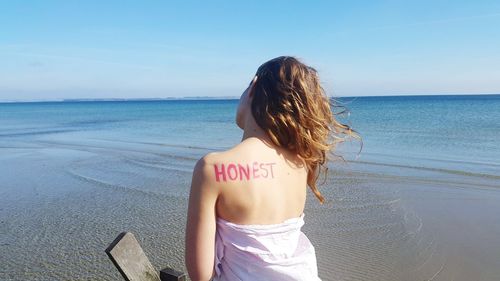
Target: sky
<point x="53" y="50"/>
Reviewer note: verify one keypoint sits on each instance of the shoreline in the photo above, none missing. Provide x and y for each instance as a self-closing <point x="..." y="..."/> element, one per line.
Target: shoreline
<point x="208" y="98"/>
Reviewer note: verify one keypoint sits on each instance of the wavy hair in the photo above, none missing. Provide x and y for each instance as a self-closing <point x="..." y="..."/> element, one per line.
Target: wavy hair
<point x="291" y="106"/>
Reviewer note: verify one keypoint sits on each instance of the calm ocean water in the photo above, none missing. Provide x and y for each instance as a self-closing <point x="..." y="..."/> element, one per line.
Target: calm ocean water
<point x="460" y="133"/>
<point x="75" y="174"/>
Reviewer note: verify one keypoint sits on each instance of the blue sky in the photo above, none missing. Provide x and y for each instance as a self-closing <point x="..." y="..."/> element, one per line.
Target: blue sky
<point x="157" y="49"/>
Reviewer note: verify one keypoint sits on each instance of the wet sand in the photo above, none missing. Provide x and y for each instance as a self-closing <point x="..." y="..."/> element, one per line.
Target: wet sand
<point x="62" y="202"/>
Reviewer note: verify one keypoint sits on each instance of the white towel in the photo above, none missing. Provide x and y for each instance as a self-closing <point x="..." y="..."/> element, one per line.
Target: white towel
<point x="264" y="252"/>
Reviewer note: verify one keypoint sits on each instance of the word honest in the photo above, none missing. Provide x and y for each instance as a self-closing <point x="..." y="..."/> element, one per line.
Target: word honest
<point x="242" y="172"/>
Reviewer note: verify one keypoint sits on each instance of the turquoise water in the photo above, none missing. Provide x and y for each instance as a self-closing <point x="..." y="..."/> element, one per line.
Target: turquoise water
<point x="455" y="128"/>
<point x="73" y="175"/>
<point x="454" y="132"/>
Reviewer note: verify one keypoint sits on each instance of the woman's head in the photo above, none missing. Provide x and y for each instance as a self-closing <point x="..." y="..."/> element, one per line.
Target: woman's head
<point x="287" y="101"/>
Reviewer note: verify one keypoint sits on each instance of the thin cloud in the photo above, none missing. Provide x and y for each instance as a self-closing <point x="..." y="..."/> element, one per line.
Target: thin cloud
<point x="81" y="59"/>
<point x="421" y="23"/>
<point x="442" y="21"/>
<point x="36" y="64"/>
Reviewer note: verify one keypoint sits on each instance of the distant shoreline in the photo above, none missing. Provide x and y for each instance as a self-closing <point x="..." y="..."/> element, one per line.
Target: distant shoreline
<point x="120" y="99"/>
<point x="201" y="98"/>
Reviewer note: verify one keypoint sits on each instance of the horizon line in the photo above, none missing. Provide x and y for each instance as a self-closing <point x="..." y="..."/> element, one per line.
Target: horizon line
<point x="226" y="98"/>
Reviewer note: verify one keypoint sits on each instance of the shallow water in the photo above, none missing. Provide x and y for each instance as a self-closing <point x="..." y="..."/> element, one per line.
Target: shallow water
<point x="75" y="175"/>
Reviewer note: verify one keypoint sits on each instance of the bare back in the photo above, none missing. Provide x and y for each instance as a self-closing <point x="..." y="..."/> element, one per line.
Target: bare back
<point x="259" y="184"/>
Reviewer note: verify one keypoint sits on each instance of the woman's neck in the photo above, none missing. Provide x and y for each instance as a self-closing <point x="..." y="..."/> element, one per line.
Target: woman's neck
<point x="252" y="130"/>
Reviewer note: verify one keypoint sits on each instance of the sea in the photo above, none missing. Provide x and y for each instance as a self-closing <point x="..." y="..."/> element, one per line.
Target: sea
<point x="74" y="174"/>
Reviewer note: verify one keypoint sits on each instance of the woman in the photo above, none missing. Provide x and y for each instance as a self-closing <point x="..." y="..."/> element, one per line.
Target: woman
<point x="246" y="204"/>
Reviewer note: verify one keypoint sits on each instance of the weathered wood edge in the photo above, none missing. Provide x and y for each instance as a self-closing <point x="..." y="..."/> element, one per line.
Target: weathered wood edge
<point x="108" y="252"/>
<point x="166" y="274"/>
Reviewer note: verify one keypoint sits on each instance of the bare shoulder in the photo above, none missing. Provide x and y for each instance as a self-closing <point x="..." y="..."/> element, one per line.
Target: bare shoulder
<point x="204" y="168"/>
<point x="216" y="157"/>
<point x="209" y="166"/>
<point x="212" y="158"/>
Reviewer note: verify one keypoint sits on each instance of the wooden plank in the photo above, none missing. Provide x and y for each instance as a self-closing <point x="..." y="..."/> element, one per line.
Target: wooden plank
<point x="169" y="274"/>
<point x="129" y="258"/>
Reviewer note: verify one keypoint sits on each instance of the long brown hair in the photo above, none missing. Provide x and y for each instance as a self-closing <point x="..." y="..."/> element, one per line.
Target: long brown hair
<point x="291" y="106"/>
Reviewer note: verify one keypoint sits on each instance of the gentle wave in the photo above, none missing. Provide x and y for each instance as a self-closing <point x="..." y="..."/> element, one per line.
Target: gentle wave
<point x="34" y="133"/>
<point x="115" y="186"/>
<point x="160" y="144"/>
<point x="448" y="171"/>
